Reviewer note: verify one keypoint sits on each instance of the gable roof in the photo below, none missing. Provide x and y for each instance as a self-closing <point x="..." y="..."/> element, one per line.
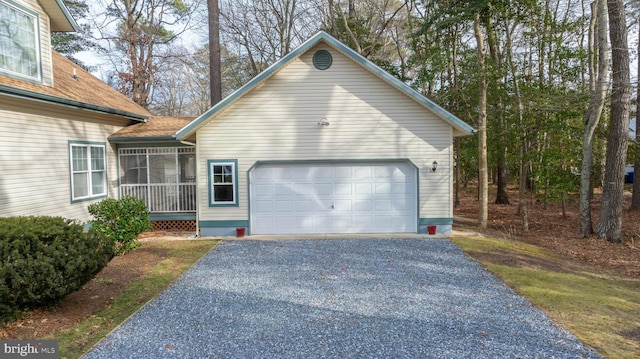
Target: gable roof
<point x="84" y="91"/>
<point x="59" y="16"/>
<point x="459" y="125"/>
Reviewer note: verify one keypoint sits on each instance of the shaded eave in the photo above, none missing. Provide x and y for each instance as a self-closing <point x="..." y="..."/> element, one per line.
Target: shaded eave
<point x="61" y="19"/>
<point x="143" y="139"/>
<point x="461" y="128"/>
<point x="59" y="101"/>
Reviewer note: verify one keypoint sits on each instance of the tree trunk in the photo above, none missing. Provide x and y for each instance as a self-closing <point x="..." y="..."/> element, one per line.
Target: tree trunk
<point x="635" y="199"/>
<point x="502" y="196"/>
<point x="610" y="225"/>
<point x="483" y="178"/>
<point x="523" y="164"/>
<point x="598" y="88"/>
<point x="215" y="72"/>
<point x="352" y="9"/>
<point x="456" y="202"/>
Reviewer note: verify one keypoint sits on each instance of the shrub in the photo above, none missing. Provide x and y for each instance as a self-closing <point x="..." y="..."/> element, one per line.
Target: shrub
<point x="121" y="220"/>
<point x="42" y="259"/>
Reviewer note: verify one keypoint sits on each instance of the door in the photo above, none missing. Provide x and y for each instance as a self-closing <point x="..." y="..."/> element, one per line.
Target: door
<point x="369" y="197"/>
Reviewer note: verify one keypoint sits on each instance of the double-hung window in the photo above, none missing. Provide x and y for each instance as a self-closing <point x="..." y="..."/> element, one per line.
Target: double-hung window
<point x="223" y="183"/>
<point x="19" y="41"/>
<point x="88" y="170"/>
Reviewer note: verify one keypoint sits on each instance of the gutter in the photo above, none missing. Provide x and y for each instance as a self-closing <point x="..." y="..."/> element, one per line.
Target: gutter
<point x="138" y="139"/>
<point x="59" y="101"/>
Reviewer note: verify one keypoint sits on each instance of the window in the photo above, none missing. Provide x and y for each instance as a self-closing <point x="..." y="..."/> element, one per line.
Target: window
<point x="223" y="180"/>
<point x="88" y="171"/>
<point x="19" y="49"/>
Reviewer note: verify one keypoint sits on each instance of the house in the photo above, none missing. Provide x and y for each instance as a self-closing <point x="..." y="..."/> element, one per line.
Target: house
<point x="323" y="141"/>
<point x="55" y="158"/>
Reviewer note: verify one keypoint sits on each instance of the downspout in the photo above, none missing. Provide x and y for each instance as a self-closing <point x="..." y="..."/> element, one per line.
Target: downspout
<point x="197" y="192"/>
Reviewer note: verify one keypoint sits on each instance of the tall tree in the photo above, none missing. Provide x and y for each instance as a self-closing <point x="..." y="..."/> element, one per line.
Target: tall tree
<point x="483" y="173"/>
<point x="635" y="199"/>
<point x="263" y="31"/>
<point x="363" y="26"/>
<point x="143" y="31"/>
<point x="215" y="71"/>
<point x="610" y="223"/>
<point x="598" y="50"/>
<point x="71" y="43"/>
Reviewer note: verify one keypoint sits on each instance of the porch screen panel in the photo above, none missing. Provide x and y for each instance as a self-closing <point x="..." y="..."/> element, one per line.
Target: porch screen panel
<point x="187" y="179"/>
<point x="134" y="169"/>
<point x="164" y="177"/>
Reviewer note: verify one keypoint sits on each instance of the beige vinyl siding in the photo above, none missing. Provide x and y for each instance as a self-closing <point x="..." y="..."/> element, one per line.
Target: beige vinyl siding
<point x="369" y="120"/>
<point x="34" y="157"/>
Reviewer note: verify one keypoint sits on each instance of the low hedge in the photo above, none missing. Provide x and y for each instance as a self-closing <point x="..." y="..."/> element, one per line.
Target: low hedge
<point x="42" y="259"/>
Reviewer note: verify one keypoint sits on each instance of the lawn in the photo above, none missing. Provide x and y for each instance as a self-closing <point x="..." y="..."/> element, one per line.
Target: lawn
<point x="601" y="308"/>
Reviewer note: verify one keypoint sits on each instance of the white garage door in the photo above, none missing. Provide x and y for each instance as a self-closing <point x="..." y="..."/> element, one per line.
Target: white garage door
<point x="333" y="198"/>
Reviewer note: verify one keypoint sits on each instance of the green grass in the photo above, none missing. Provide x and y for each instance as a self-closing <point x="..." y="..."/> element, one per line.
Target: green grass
<point x="77" y="340"/>
<point x="601" y="309"/>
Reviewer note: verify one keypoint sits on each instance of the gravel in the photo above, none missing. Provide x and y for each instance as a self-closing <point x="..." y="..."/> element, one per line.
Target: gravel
<point x="351" y="298"/>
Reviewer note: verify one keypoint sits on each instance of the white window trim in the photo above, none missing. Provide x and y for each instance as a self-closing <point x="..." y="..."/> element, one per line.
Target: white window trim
<point x="88" y="172"/>
<point x="36" y="32"/>
<point x="234" y="172"/>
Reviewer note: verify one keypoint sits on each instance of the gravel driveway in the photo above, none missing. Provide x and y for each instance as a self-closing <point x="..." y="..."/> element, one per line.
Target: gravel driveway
<point x="351" y="298"/>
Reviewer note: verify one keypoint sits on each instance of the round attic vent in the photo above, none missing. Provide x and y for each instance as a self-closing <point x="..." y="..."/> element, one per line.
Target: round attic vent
<point x="322" y="59"/>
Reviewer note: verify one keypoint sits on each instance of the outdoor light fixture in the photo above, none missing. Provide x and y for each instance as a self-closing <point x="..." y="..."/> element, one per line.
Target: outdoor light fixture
<point x="323" y="122"/>
<point x="434" y="166"/>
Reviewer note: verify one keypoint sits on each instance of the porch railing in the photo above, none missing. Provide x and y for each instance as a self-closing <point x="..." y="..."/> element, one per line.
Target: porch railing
<point x="164" y="197"/>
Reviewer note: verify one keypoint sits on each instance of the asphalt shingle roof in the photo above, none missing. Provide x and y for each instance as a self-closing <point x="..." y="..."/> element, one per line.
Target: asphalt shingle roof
<point x="84" y="87"/>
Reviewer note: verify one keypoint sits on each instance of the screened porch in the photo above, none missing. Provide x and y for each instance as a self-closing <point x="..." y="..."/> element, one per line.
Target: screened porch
<point x="164" y="177"/>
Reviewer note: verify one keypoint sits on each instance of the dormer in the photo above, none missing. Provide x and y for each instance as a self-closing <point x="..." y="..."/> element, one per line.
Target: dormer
<point x="25" y="37"/>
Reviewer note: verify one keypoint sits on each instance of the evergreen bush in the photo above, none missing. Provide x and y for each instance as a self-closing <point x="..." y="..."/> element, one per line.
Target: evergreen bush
<point x="42" y="259"/>
<point x="121" y="220"/>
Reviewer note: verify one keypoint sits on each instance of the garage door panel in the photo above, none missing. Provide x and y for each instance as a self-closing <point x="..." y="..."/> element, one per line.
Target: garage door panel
<point x="303" y="189"/>
<point x="362" y="172"/>
<point x="333" y="198"/>
<point x="282" y="206"/>
<point x="343" y="206"/>
<point x="401" y="205"/>
<point x="323" y="189"/>
<point x="263" y="206"/>
<point x="402" y="188"/>
<point x="264" y="191"/>
<point x="382" y="205"/>
<point x="363" y="221"/>
<point x="343" y="172"/>
<point x="343" y="188"/>
<point x="363" y="205"/>
<point x="363" y="189"/>
<point x="383" y="188"/>
<point x="283" y="189"/>
<point x="343" y="222"/>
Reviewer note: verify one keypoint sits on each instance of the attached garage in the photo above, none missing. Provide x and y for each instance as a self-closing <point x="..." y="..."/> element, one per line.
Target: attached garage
<point x="324" y="141"/>
<point x="349" y="197"/>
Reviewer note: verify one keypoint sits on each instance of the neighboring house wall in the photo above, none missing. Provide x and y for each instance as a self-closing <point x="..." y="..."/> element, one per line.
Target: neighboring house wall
<point x="369" y="120"/>
<point x="34" y="157"/>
